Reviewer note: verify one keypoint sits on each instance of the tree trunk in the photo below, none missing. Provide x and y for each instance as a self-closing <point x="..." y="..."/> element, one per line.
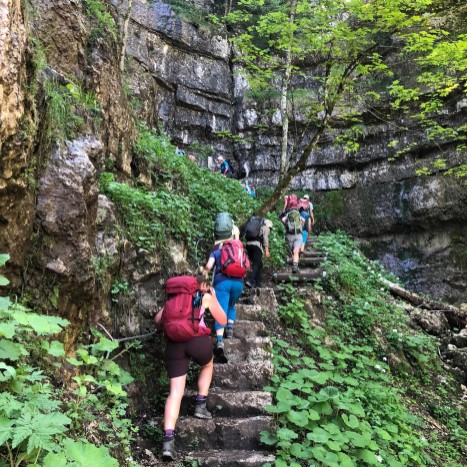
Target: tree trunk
<point x="126" y="23"/>
<point x="300" y="165"/>
<point x="284" y="88"/>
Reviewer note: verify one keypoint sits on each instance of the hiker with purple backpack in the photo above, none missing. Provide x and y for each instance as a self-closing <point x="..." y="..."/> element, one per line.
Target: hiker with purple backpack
<point x="188" y="338"/>
<point x="230" y="264"/>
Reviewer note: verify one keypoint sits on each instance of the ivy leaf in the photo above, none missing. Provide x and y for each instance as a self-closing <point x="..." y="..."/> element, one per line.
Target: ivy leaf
<point x="11" y="350"/>
<point x="281" y="407"/>
<point x="6" y="372"/>
<point x="318" y="435"/>
<point x="351" y="422"/>
<point x="85" y="454"/>
<point x="5" y="303"/>
<point x="284" y="394"/>
<point x="8" y="329"/>
<point x="298" y="418"/>
<point x="55" y="460"/>
<point x="345" y="460"/>
<point x="54" y="348"/>
<point x="4" y="258"/>
<point x="297" y="450"/>
<point x="268" y="438"/>
<point x="367" y="456"/>
<point x="3" y="280"/>
<point x="358" y="440"/>
<point x="286" y="434"/>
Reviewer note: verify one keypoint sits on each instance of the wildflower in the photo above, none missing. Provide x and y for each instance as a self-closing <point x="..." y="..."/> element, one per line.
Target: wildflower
<point x="377" y="367"/>
<point x="385" y="359"/>
<point x="380" y="459"/>
<point x="383" y="370"/>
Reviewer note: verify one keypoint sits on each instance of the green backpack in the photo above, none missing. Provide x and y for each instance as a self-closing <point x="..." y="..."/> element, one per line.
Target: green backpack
<point x="223" y="227"/>
<point x="294" y="222"/>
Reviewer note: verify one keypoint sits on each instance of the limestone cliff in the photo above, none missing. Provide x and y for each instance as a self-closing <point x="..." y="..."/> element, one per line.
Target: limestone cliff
<point x="58" y="228"/>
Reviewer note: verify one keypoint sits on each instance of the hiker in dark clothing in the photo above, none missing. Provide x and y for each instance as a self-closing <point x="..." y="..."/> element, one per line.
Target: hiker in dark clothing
<point x="254" y="248"/>
<point x="178" y="356"/>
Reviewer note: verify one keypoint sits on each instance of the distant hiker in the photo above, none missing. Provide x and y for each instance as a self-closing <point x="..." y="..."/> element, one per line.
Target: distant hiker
<point x="192" y="157"/>
<point x="293" y="223"/>
<point x="179" y="152"/>
<point x="246" y="187"/>
<point x="224" y="167"/>
<point x="256" y="233"/>
<point x="306" y="211"/>
<point x="230" y="264"/>
<point x="192" y="341"/>
<point x="252" y="191"/>
<point x="289" y="201"/>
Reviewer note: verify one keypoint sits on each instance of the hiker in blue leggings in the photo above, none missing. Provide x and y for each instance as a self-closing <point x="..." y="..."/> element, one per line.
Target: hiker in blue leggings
<point x="228" y="291"/>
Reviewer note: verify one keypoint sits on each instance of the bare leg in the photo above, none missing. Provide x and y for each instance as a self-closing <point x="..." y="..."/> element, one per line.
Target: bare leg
<point x="296" y="253"/>
<point x="205" y="378"/>
<point x="172" y="404"/>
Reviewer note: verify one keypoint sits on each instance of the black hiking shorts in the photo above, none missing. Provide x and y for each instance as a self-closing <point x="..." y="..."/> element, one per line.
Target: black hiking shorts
<point x="179" y="354"/>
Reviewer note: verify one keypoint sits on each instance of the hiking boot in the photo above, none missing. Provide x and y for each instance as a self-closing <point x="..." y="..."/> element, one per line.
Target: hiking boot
<point x="228" y="332"/>
<point x="295" y="267"/>
<point x="219" y="353"/>
<point x="168" y="448"/>
<point x="201" y="411"/>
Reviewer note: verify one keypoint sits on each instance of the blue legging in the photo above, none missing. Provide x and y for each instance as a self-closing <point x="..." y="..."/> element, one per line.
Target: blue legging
<point x="305" y="216"/>
<point x="228" y="292"/>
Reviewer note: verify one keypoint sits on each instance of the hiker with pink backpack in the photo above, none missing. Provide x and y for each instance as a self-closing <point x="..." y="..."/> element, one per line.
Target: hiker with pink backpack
<point x="229" y="263"/>
<point x="188" y="338"/>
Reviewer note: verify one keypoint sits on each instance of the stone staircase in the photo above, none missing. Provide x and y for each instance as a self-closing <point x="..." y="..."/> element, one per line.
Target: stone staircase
<point x="308" y="264"/>
<point x="236" y="398"/>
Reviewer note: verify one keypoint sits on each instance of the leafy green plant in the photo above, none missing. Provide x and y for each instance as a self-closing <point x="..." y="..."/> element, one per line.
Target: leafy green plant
<point x="38" y="418"/>
<point x="336" y="401"/>
<point x="98" y="11"/>
<point x="182" y="203"/>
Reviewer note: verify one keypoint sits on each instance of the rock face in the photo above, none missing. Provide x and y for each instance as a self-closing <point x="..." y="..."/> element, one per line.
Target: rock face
<point x="17" y="128"/>
<point x="183" y="75"/>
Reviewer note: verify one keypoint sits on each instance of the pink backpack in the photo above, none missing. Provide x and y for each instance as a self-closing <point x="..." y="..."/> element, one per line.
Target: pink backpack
<point x="291" y="201"/>
<point x="181" y="315"/>
<point x="234" y="261"/>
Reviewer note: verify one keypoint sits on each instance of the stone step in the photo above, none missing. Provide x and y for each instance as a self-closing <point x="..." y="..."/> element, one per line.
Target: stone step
<point x="308" y="275"/>
<point x="224" y="403"/>
<point x="248" y="329"/>
<point x="308" y="261"/>
<point x="249" y="312"/>
<point x="231" y="458"/>
<point x="251" y="349"/>
<point x="242" y="375"/>
<point x="313" y="254"/>
<point x="221" y="433"/>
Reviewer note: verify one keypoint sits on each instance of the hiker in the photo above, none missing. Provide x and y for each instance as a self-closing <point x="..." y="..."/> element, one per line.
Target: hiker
<point x="252" y="191"/>
<point x="227" y="282"/>
<point x="246" y="187"/>
<point x="306" y="211"/>
<point x="224" y="167"/>
<point x="256" y="233"/>
<point x="293" y="223"/>
<point x="192" y="157"/>
<point x="179" y="152"/>
<point x="179" y="354"/>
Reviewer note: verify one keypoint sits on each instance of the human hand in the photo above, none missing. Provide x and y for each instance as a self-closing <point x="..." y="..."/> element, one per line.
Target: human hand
<point x="267" y="254"/>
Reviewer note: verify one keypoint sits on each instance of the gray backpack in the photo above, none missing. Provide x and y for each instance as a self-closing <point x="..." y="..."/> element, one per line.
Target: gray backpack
<point x="223" y="226"/>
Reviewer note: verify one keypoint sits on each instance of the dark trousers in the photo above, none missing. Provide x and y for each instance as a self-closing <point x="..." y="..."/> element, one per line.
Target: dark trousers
<point x="256" y="259"/>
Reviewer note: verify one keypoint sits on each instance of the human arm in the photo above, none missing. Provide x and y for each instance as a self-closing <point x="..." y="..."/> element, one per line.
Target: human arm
<point x="265" y="231"/>
<point x="210" y="263"/>
<point x="158" y="319"/>
<point x="210" y="302"/>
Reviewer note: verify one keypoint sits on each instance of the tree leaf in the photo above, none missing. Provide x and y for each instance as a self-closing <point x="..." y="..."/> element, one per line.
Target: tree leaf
<point x="11" y="350"/>
<point x="298" y="418"/>
<point x="86" y="454"/>
<point x="367" y="456"/>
